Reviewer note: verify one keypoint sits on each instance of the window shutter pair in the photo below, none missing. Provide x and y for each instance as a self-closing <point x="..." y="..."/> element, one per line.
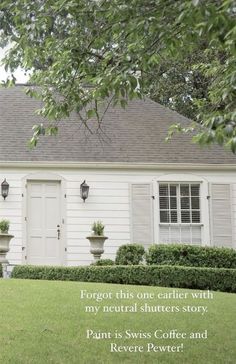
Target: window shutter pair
<point x="220" y="210"/>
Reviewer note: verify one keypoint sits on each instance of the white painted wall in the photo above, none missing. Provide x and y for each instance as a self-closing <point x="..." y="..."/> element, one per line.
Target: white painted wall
<point x="108" y="201"/>
<point x="234" y="213"/>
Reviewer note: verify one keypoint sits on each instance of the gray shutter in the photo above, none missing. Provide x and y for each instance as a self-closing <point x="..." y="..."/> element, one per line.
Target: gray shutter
<point x="141" y="214"/>
<point x="221" y="215"/>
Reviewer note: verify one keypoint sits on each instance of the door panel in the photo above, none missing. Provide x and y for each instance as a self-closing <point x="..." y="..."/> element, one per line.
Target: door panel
<point x="44" y="215"/>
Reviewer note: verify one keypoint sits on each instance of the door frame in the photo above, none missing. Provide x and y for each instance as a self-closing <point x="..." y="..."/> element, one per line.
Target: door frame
<point x="44" y="177"/>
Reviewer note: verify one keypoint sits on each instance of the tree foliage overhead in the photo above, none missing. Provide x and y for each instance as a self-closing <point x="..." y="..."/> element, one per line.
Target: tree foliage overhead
<point x="179" y="84"/>
<point x="128" y="49"/>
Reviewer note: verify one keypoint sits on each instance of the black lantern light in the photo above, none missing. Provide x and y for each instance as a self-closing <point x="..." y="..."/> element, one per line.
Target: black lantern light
<point x="84" y="190"/>
<point x="4" y="188"/>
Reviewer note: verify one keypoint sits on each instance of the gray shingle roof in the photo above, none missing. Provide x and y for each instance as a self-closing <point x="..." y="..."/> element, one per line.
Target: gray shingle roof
<point x="134" y="135"/>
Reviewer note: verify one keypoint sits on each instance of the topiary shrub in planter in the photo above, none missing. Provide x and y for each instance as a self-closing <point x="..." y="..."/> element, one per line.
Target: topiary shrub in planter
<point x="97" y="240"/>
<point x="4" y="226"/>
<point x="4" y="240"/>
<point x="4" y="246"/>
<point x="98" y="228"/>
<point x="130" y="254"/>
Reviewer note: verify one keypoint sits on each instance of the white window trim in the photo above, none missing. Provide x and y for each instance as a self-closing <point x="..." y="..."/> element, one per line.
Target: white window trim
<point x="204" y="203"/>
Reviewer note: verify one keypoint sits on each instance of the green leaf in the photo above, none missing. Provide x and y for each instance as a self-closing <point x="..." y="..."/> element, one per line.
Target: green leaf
<point x="91" y="113"/>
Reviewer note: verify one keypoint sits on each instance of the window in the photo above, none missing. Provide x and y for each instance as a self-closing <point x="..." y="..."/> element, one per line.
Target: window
<point x="179" y="203"/>
<point x="180" y="217"/>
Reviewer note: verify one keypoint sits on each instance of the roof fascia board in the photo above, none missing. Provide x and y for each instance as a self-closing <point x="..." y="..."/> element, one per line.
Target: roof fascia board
<point x="115" y="165"/>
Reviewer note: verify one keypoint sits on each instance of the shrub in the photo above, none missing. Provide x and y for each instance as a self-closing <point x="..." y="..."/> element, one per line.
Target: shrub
<point x="130" y="254"/>
<point x="190" y="255"/>
<point x="98" y="228"/>
<point x="102" y="262"/>
<point x="217" y="279"/>
<point x="4" y="226"/>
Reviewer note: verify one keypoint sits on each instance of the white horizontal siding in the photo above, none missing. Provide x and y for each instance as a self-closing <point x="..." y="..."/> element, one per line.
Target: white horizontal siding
<point x="82" y="241"/>
<point x="94" y="205"/>
<point x="11" y="209"/>
<point x="16" y="248"/>
<point x="112" y="235"/>
<point x="11" y="212"/>
<point x="98" y="191"/>
<point x="83" y="228"/>
<point x="95" y="214"/>
<point x="100" y="199"/>
<point x="234" y="213"/>
<point x="103" y="185"/>
<point x="14" y="220"/>
<point x="12" y="204"/>
<point x="108" y="201"/>
<point x="85" y="223"/>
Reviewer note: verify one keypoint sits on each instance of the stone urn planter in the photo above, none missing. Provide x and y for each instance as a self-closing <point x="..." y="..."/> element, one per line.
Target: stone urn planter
<point x="97" y="240"/>
<point x="96" y="245"/>
<point x="5" y="239"/>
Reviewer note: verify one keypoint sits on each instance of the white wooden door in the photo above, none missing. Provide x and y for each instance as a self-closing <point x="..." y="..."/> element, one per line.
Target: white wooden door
<point x="44" y="223"/>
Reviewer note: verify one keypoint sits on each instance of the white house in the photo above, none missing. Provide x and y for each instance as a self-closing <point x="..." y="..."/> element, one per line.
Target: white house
<point x="143" y="189"/>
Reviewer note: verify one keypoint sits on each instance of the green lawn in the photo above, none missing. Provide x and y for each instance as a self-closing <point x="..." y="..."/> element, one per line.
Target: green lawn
<point x="45" y="322"/>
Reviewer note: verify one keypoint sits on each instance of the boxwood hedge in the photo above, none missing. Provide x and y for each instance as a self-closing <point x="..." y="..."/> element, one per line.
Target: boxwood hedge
<point x="104" y="262"/>
<point x="130" y="254"/>
<point x="190" y="255"/>
<point x="217" y="279"/>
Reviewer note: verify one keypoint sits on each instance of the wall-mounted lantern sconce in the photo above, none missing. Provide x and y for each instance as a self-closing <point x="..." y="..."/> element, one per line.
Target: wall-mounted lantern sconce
<point x="4" y="188"/>
<point x="84" y="190"/>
